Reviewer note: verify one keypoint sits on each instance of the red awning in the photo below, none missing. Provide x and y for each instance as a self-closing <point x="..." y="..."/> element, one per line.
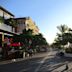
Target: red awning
<point x="15" y="44"/>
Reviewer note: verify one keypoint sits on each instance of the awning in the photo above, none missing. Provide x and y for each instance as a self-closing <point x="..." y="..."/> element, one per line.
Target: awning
<point x="15" y="44"/>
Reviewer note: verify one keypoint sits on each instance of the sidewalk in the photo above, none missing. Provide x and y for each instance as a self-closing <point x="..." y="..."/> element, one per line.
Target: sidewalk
<point x="21" y="59"/>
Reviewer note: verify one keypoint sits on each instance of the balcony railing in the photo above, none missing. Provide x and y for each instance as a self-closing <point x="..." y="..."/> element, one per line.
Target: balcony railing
<point x="10" y="22"/>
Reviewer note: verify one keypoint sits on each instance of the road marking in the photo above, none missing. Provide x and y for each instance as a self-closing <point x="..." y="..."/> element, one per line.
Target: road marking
<point x="37" y="69"/>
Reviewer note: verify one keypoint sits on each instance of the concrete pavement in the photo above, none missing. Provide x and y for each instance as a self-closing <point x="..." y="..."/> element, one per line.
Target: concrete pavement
<point x="52" y="62"/>
<point x="42" y="54"/>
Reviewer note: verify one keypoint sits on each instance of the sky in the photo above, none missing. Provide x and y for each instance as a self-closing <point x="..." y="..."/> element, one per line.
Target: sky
<point x="47" y="14"/>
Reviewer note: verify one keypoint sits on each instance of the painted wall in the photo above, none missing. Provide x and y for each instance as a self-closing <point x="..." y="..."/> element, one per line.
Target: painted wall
<point x="6" y="15"/>
<point x="6" y="27"/>
<point x="31" y="25"/>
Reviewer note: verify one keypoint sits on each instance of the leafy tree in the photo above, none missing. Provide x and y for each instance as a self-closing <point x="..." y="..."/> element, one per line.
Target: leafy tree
<point x="63" y="37"/>
<point x="39" y="40"/>
<point x="29" y="40"/>
<point x="26" y="38"/>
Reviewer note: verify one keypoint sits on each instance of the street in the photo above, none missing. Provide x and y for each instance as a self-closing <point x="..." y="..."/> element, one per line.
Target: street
<point x="43" y="62"/>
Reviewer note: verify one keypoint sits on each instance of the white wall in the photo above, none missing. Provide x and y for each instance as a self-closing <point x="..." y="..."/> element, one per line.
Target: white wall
<point x="6" y="27"/>
<point x="1" y="12"/>
<point x="6" y="15"/>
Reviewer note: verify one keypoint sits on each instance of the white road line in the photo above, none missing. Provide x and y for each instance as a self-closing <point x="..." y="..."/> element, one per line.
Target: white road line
<point x="37" y="69"/>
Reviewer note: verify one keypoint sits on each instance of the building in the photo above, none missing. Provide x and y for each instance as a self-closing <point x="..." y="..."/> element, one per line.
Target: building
<point x="6" y="29"/>
<point x="5" y="13"/>
<point x="26" y="23"/>
<point x="10" y="26"/>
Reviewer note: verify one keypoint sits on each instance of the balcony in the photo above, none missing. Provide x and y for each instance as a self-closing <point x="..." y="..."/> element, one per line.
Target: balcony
<point x="10" y="22"/>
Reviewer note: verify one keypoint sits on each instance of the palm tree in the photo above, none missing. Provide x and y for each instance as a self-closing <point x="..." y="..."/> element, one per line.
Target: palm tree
<point x="62" y="28"/>
<point x="61" y="37"/>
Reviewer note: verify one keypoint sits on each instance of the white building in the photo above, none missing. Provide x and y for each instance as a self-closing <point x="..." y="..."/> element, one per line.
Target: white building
<point x="5" y="29"/>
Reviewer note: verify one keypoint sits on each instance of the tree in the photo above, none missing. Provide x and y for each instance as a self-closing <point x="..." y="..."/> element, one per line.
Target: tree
<point x="39" y="41"/>
<point x="63" y="36"/>
<point x="62" y="28"/>
<point x="29" y="40"/>
<point x="26" y="38"/>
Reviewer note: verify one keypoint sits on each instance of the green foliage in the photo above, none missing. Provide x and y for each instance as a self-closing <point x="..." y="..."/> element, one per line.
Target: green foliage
<point x="27" y="39"/>
<point x="28" y="32"/>
<point x="11" y="22"/>
<point x="39" y="40"/>
<point x="68" y="50"/>
<point x="1" y="19"/>
<point x="16" y="38"/>
<point x="63" y="37"/>
<point x="62" y="28"/>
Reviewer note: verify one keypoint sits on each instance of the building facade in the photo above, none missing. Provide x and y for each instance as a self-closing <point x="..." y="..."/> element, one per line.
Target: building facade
<point x="26" y="23"/>
<point x="5" y="13"/>
<point x="6" y="30"/>
<point x="7" y="27"/>
<point x="10" y="26"/>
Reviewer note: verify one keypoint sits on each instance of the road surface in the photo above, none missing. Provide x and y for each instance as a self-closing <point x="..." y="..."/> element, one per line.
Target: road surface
<point x="42" y="62"/>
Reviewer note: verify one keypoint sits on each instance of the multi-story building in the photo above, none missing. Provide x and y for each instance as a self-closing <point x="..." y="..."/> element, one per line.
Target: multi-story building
<point x="5" y="28"/>
<point x="6" y="14"/>
<point x="10" y="26"/>
<point x="26" y="23"/>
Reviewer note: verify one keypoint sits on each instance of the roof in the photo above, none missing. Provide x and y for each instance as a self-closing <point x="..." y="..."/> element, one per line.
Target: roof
<point x="6" y="10"/>
<point x="19" y="18"/>
<point x="22" y="18"/>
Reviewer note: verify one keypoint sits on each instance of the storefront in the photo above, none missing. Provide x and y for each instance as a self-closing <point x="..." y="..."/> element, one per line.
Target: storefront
<point x="5" y="37"/>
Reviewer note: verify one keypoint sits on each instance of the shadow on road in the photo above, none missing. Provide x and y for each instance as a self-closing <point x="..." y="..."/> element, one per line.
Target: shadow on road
<point x="55" y="63"/>
<point x="27" y="65"/>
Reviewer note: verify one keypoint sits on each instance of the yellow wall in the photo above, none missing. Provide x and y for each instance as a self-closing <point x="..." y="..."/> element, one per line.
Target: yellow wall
<point x="31" y="25"/>
<point x="26" y="23"/>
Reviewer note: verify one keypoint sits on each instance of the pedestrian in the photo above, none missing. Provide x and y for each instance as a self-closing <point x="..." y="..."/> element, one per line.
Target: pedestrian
<point x="30" y="52"/>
